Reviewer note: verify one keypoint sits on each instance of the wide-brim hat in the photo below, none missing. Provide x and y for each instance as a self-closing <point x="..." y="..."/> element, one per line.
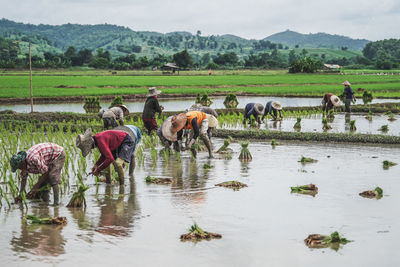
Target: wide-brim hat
<point x="276" y="105"/>
<point x="335" y="100"/>
<point x="259" y="108"/>
<point x="346" y="83"/>
<point x="124" y="108"/>
<point x="212" y="121"/>
<point x="173" y="125"/>
<point x="153" y="91"/>
<point x="17" y="160"/>
<point x="85" y="142"/>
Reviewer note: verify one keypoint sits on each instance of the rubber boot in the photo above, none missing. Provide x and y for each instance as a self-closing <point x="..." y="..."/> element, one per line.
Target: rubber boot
<point x="208" y="145"/>
<point x="108" y="175"/>
<point x="118" y="166"/>
<point x="132" y="165"/>
<point x="56" y="193"/>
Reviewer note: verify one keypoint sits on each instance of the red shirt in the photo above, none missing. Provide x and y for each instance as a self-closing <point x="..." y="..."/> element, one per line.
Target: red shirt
<point x="107" y="142"/>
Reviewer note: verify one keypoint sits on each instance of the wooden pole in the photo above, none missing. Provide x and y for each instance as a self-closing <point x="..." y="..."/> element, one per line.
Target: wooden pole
<point x="30" y="72"/>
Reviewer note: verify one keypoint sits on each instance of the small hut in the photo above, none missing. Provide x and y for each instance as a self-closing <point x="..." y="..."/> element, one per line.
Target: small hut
<point x="169" y="68"/>
<point x="331" y="68"/>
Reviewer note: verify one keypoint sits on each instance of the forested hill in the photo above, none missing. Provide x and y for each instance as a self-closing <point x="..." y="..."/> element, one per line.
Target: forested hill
<point x="317" y="40"/>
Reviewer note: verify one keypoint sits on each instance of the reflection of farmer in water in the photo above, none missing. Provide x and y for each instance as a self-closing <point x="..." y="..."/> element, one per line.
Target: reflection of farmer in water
<point x="43" y="240"/>
<point x="117" y="216"/>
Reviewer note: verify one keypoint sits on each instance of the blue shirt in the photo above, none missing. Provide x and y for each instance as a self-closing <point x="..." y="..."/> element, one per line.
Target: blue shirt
<point x="268" y="108"/>
<point x="250" y="110"/>
<point x="138" y="134"/>
<point x="348" y="92"/>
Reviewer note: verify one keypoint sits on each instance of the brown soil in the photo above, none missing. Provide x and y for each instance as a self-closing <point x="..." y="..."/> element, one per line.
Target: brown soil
<point x="58" y="220"/>
<point x="198" y="237"/>
<point x="368" y="194"/>
<point x="315" y="241"/>
<point x="235" y="185"/>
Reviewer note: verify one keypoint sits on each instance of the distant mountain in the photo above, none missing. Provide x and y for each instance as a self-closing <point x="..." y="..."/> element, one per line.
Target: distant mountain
<point x="316" y="40"/>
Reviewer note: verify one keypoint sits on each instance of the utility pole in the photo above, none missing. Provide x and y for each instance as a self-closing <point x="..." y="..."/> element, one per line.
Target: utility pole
<point x="30" y="71"/>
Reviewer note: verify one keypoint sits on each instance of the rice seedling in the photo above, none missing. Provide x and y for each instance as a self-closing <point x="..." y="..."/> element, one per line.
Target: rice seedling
<point x="224" y="148"/>
<point x="305" y="160"/>
<point x="231" y="101"/>
<point x="387" y="164"/>
<point x="309" y="189"/>
<point x="153" y="153"/>
<point x="353" y="125"/>
<point x="56" y="220"/>
<point x="390" y="116"/>
<point x="235" y="185"/>
<point x="197" y="234"/>
<point x="297" y="125"/>
<point x="274" y="143"/>
<point x="207" y="166"/>
<point x="322" y="241"/>
<point x="245" y="154"/>
<point x="376" y="193"/>
<point x="154" y="180"/>
<point x="203" y="99"/>
<point x="384" y="128"/>
<point x="78" y="198"/>
<point x="367" y="97"/>
<point x="325" y="125"/>
<point x="369" y="116"/>
<point x="118" y="100"/>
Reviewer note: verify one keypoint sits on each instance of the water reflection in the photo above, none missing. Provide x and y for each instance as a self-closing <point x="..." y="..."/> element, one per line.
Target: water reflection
<point x="117" y="216"/>
<point x="43" y="240"/>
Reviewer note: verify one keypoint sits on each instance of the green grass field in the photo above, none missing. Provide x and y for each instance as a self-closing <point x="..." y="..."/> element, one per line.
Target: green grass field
<point x="267" y="83"/>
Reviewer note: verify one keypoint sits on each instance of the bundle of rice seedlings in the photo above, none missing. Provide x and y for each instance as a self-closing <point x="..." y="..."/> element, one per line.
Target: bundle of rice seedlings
<point x="309" y="189"/>
<point x="322" y="241"/>
<point x="231" y="101"/>
<point x="197" y="234"/>
<point x="274" y="143"/>
<point x="56" y="220"/>
<point x="245" y="153"/>
<point x="369" y="116"/>
<point x="78" y="198"/>
<point x="224" y="148"/>
<point x="384" y="128"/>
<point x="353" y="125"/>
<point x="307" y="160"/>
<point x="330" y="115"/>
<point x="387" y="164"/>
<point x="390" y="116"/>
<point x="325" y="125"/>
<point x="154" y="180"/>
<point x="235" y="185"/>
<point x="297" y="125"/>
<point x="376" y="193"/>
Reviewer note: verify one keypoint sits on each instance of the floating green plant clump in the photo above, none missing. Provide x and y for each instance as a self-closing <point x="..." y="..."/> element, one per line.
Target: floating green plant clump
<point x="384" y="128"/>
<point x="197" y="234"/>
<point x="235" y="185"/>
<point x="297" y="125"/>
<point x="56" y="220"/>
<point x="325" y="125"/>
<point x="309" y="189"/>
<point x="231" y="101"/>
<point x="245" y="154"/>
<point x="353" y="125"/>
<point x="323" y="241"/>
<point x="307" y="160"/>
<point x="376" y="193"/>
<point x="204" y="99"/>
<point x="387" y="164"/>
<point x="154" y="180"/>
<point x="78" y="198"/>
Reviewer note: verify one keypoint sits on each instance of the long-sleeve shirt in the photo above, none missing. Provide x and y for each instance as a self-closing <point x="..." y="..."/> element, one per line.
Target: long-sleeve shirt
<point x="250" y="110"/>
<point x="348" y="92"/>
<point x="114" y="112"/>
<point x="40" y="156"/>
<point x="269" y="109"/>
<point x="151" y="107"/>
<point x="194" y="126"/>
<point x="107" y="142"/>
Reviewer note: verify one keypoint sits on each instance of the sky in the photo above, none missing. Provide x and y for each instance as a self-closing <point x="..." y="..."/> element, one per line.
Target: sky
<point x="250" y="19"/>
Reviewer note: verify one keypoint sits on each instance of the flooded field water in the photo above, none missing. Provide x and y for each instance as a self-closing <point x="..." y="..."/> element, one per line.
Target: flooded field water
<point x="261" y="225"/>
<point x="178" y="104"/>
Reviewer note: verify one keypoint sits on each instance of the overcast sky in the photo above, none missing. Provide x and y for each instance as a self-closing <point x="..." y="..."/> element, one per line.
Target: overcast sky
<point x="251" y="19"/>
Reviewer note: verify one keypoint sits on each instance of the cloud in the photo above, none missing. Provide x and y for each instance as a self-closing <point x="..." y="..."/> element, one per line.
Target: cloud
<point x="257" y="19"/>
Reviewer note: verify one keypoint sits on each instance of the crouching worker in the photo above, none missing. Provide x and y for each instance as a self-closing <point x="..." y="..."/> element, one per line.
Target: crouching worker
<point x="255" y="109"/>
<point x="329" y="101"/>
<point x="46" y="159"/>
<point x="110" y="116"/>
<point x="197" y="122"/>
<point x="115" y="147"/>
<point x="273" y="108"/>
<point x="169" y="129"/>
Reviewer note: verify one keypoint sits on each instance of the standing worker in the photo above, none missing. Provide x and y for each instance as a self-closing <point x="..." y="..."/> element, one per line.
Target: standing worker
<point x="349" y="94"/>
<point x="197" y="122"/>
<point x="329" y="101"/>
<point x="255" y="109"/>
<point x="111" y="115"/>
<point x="46" y="159"/>
<point x="273" y="108"/>
<point x="115" y="147"/>
<point x="151" y="107"/>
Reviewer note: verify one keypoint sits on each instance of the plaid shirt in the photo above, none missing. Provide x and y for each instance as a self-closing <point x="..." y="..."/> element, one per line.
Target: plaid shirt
<point x="40" y="156"/>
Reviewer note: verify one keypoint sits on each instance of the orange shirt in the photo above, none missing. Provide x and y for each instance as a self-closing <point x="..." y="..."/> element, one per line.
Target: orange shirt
<point x="194" y="114"/>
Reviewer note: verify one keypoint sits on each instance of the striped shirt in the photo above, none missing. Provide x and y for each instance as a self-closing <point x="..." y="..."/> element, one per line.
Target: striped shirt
<point x="40" y="156"/>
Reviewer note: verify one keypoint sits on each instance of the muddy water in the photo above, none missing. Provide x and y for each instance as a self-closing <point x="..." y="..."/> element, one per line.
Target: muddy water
<point x="340" y="124"/>
<point x="262" y="225"/>
<point x="177" y="104"/>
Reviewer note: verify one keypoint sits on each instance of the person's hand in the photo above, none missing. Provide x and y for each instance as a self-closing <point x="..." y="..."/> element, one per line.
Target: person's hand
<point x="31" y="193"/>
<point x="18" y="199"/>
<point x="95" y="170"/>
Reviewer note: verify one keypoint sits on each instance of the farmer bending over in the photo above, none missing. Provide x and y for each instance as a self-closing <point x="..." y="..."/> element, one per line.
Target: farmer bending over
<point x="329" y="101"/>
<point x="255" y="109"/>
<point x="169" y="129"/>
<point x="110" y="116"/>
<point x="273" y="108"/>
<point x="46" y="159"/>
<point x="115" y="147"/>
